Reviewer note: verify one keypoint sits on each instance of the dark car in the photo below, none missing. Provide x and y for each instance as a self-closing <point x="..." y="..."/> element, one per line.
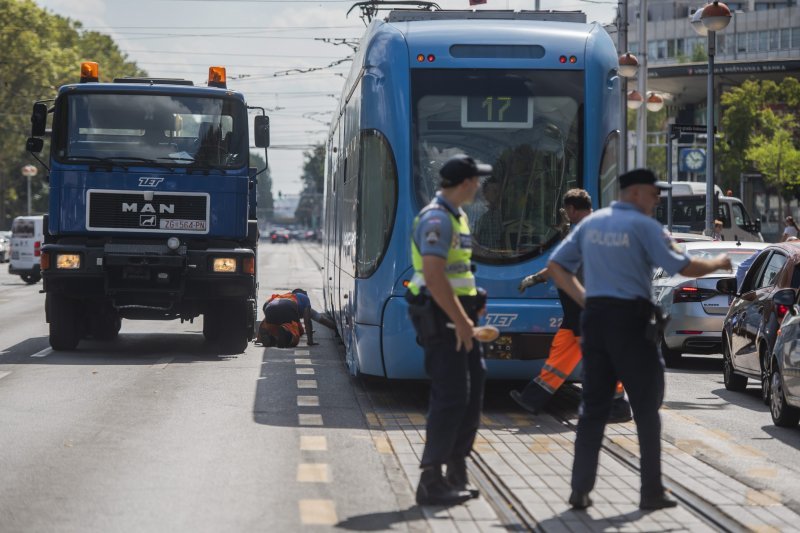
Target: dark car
<point x="784" y="367"/>
<point x="752" y="322"/>
<point x="279" y="235"/>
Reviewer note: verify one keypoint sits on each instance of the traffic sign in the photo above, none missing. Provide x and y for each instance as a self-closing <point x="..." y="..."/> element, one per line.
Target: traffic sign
<point x="29" y="171"/>
<point x="676" y="130"/>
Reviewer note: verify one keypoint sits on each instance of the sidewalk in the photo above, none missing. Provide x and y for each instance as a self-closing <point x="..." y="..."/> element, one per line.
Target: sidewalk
<point x="532" y="457"/>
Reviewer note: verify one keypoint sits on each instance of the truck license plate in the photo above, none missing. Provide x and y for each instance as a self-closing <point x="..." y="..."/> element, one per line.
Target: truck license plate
<point x="183" y="225"/>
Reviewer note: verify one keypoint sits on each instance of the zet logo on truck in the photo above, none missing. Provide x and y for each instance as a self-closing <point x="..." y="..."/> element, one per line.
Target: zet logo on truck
<point x="500" y="320"/>
<point x="150" y="182"/>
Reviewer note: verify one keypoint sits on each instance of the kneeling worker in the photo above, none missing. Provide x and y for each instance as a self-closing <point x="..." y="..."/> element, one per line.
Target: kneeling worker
<point x="444" y="308"/>
<point x="282" y="314"/>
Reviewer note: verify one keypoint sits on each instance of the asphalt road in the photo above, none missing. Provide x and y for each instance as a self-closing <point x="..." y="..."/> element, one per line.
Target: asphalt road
<point x="155" y="432"/>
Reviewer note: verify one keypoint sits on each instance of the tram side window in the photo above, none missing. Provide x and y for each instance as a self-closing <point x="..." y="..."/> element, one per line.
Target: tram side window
<point x="377" y="201"/>
<point x="609" y="183"/>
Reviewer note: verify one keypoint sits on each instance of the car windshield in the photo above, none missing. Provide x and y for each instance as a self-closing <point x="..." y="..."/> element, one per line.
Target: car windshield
<point x="526" y="124"/>
<point x="737" y="255"/>
<point x="136" y="129"/>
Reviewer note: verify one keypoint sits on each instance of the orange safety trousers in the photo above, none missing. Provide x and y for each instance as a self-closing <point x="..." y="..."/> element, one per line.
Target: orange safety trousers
<point x="565" y="354"/>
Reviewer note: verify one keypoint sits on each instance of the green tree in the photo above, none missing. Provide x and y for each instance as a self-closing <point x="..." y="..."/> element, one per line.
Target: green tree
<point x="699" y="53"/>
<point x="41" y="51"/>
<point x="748" y="117"/>
<point x="309" y="209"/>
<point x="773" y="152"/>
<point x="266" y="202"/>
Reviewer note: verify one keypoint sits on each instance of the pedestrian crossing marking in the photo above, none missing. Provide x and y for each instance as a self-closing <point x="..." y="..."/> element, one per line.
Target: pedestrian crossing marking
<point x="309" y="419"/>
<point x="372" y="420"/>
<point x="382" y="444"/>
<point x="313" y="443"/>
<point x="305" y="371"/>
<point x="308" y="401"/>
<point x="306" y="383"/>
<point x="763" y="497"/>
<point x="4" y="374"/>
<point x="313" y="473"/>
<point x="317" y="512"/>
<point x="302" y="352"/>
<point x="43" y="353"/>
<point x="763" y="472"/>
<point x="302" y="361"/>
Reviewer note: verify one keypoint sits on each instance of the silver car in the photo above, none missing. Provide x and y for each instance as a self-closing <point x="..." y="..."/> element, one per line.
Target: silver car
<point x="784" y="366"/>
<point x="695" y="308"/>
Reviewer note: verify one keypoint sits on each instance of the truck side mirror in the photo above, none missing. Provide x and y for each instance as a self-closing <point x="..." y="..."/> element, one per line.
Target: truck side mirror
<point x="39" y="120"/>
<point x="261" y="131"/>
<point x="34" y="145"/>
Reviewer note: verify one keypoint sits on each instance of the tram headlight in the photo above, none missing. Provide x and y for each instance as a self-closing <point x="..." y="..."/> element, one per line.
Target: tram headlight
<point x="224" y="264"/>
<point x="68" y="261"/>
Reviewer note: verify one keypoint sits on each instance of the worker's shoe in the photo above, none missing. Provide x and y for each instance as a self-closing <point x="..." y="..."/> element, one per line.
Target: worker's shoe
<point x="532" y="398"/>
<point x="434" y="490"/>
<point x="620" y="410"/>
<point x="457" y="478"/>
<point x="662" y="501"/>
<point x="579" y="500"/>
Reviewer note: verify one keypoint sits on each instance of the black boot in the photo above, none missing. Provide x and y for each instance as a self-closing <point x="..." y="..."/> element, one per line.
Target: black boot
<point x="579" y="500"/>
<point x="457" y="478"/>
<point x="620" y="410"/>
<point x="660" y="501"/>
<point x="532" y="398"/>
<point x="434" y="490"/>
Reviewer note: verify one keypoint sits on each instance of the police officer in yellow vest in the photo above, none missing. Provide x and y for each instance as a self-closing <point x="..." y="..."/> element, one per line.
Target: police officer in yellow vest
<point x="444" y="307"/>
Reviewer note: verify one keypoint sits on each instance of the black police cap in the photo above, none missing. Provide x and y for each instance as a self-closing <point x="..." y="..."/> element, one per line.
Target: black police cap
<point x="641" y="176"/>
<point x="461" y="167"/>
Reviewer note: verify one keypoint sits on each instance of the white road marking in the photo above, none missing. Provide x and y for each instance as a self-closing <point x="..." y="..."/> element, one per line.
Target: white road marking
<point x="317" y="512"/>
<point x="4" y="374"/>
<point x="313" y="443"/>
<point x="43" y="353"/>
<point x="302" y="361"/>
<point x="302" y="352"/>
<point x="309" y="419"/>
<point x="304" y="371"/>
<point x="308" y="401"/>
<point x="306" y="383"/>
<point x="162" y="363"/>
<point x="313" y="473"/>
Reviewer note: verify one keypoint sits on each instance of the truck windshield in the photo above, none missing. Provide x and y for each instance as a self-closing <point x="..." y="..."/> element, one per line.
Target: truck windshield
<point x="137" y="129"/>
<point x="524" y="123"/>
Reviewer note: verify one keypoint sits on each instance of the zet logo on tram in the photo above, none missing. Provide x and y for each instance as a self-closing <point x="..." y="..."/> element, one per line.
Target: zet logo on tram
<point x="500" y="320"/>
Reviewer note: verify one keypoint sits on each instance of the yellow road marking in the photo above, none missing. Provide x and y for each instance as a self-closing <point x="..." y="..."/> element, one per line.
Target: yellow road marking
<point x="306" y="383"/>
<point x="317" y="512"/>
<point x="382" y="444"/>
<point x="308" y="401"/>
<point x="302" y="361"/>
<point x="313" y="473"/>
<point x="313" y="443"/>
<point x="309" y="419"/>
<point x="304" y="371"/>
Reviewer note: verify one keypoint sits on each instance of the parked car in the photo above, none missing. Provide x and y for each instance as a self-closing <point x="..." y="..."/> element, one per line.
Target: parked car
<point x="784" y="365"/>
<point x="695" y="307"/>
<point x="5" y="246"/>
<point x="27" y="237"/>
<point x="751" y="325"/>
<point x="279" y="235"/>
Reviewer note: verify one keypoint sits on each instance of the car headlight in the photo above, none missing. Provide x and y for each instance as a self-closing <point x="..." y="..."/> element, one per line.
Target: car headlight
<point x="224" y="264"/>
<point x="68" y="261"/>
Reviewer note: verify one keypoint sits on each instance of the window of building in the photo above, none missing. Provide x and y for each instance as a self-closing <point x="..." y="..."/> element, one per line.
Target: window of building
<point x="634" y="48"/>
<point x="741" y="42"/>
<point x="774" y="41"/>
<point x="377" y="199"/>
<point x="763" y="41"/>
<point x="652" y="49"/>
<point x="752" y="41"/>
<point x="786" y="38"/>
<point x="671" y="48"/>
<point x="795" y="37"/>
<point x="662" y="49"/>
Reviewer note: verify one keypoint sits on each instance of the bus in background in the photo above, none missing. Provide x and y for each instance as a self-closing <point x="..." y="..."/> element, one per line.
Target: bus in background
<point x="534" y="94"/>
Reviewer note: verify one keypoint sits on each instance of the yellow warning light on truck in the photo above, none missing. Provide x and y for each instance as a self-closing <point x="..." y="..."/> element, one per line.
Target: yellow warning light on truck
<point x="90" y="72"/>
<point x="217" y="77"/>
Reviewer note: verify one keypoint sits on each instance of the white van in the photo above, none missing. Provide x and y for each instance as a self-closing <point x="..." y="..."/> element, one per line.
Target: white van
<point x="689" y="208"/>
<point x="27" y="238"/>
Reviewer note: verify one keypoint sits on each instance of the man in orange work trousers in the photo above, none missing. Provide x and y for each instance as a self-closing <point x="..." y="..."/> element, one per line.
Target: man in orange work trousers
<point x="565" y="351"/>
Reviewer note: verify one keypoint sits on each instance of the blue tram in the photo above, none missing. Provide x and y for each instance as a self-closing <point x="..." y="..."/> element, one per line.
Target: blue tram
<point x="534" y="94"/>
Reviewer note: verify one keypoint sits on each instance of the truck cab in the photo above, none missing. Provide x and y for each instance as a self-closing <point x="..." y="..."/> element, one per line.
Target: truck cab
<point x="689" y="206"/>
<point x="150" y="201"/>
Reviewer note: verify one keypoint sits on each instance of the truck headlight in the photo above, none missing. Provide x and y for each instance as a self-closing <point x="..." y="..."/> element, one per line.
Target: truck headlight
<point x="68" y="261"/>
<point x="224" y="264"/>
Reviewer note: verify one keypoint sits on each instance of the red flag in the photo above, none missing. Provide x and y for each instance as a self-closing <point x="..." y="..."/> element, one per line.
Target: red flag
<point x="476" y="2"/>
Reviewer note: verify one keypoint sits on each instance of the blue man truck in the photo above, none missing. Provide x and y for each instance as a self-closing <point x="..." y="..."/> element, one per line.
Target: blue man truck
<point x="152" y="207"/>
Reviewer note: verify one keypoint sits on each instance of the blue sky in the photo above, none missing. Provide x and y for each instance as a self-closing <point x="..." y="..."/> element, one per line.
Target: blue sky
<point x="255" y="40"/>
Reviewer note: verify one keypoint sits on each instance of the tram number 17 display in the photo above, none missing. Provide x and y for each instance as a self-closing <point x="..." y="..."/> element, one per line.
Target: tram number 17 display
<point x="496" y="112"/>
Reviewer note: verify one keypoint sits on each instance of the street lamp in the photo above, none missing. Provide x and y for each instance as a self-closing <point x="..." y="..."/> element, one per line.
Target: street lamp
<point x="634" y="100"/>
<point x="628" y="67"/>
<point x="29" y="171"/>
<point x="708" y="20"/>
<point x="655" y="102"/>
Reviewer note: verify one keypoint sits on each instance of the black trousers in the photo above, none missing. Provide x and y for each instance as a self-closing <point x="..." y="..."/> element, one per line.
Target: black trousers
<point x="615" y="347"/>
<point x="454" y="411"/>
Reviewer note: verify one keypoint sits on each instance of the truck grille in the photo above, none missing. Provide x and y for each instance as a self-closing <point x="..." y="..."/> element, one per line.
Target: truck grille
<point x="164" y="213"/>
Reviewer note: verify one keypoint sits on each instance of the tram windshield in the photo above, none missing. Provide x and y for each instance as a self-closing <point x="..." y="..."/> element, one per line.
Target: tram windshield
<point x="524" y="123"/>
<point x="131" y="129"/>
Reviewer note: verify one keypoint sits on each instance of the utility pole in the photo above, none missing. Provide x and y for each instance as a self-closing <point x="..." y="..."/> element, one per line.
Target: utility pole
<point x="622" y="43"/>
<point x="641" y="133"/>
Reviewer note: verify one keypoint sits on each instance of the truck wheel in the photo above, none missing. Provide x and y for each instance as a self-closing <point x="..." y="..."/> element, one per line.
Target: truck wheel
<point x="234" y="325"/>
<point x="211" y="325"/>
<point x="66" y="322"/>
<point x="105" y="326"/>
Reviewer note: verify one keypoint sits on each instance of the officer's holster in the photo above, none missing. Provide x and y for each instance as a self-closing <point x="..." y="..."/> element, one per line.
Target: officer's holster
<point x="430" y="322"/>
<point x="656" y="321"/>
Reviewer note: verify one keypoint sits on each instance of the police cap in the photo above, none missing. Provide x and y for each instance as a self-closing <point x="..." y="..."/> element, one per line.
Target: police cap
<point x="641" y="176"/>
<point x="461" y="167"/>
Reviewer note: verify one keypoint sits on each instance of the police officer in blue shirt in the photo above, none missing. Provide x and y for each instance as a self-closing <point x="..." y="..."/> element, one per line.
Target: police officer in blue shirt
<point x="444" y="305"/>
<point x="619" y="247"/>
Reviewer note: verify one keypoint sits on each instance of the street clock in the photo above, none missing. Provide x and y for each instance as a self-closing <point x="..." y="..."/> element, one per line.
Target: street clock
<point x="692" y="160"/>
